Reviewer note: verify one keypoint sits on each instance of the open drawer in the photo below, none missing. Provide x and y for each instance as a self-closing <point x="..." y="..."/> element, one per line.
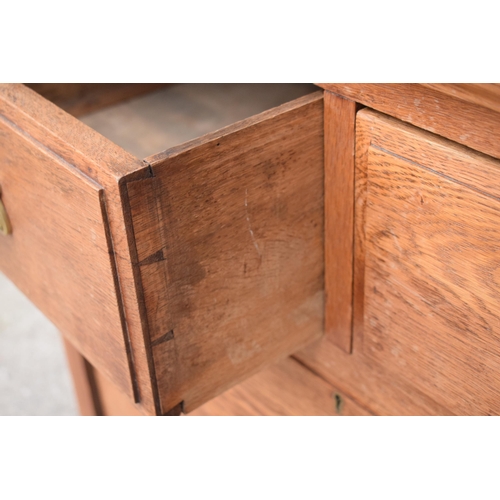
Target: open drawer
<point x="176" y="276"/>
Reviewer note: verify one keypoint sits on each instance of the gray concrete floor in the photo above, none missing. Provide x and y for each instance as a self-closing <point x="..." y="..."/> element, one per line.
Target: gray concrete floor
<point x="34" y="377"/>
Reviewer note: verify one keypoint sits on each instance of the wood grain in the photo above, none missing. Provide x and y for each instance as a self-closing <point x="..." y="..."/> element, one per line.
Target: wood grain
<point x="363" y="141"/>
<point x="484" y="94"/>
<point x="340" y="117"/>
<point x="463" y="121"/>
<point x="229" y="241"/>
<point x="358" y="375"/>
<point x="431" y="283"/>
<point x="377" y="388"/>
<point x="99" y="159"/>
<point x="58" y="254"/>
<point x="287" y="389"/>
<point x="81" y="98"/>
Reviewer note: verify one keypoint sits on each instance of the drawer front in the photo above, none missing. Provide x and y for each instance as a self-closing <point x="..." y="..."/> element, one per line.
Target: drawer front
<point x="427" y="266"/>
<point x="59" y="253"/>
<point x="229" y="246"/>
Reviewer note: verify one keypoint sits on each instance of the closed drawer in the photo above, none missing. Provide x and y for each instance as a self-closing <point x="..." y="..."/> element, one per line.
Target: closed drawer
<point x="179" y="275"/>
<point x="427" y="268"/>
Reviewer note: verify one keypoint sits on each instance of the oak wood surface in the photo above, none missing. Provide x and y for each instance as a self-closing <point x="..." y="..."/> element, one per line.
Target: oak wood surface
<point x="58" y="254"/>
<point x="431" y="283"/>
<point x="466" y="121"/>
<point x="340" y="117"/>
<point x="229" y="242"/>
<point x="378" y="389"/>
<point x="357" y="375"/>
<point x="484" y="94"/>
<point x="106" y="163"/>
<point x="286" y="388"/>
<point x="82" y="98"/>
<point x="99" y="159"/>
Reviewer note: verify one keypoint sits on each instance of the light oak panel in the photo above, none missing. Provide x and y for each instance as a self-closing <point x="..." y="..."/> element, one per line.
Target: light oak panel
<point x="374" y="386"/>
<point x="229" y="242"/>
<point x="340" y="117"/>
<point x="484" y="94"/>
<point x="357" y="374"/>
<point x="431" y="279"/>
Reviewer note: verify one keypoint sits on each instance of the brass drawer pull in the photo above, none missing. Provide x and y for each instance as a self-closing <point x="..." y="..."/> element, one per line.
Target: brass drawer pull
<point x="5" y="227"/>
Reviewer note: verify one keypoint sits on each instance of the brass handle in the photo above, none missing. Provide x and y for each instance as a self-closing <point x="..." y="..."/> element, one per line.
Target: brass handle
<point x="5" y="227"/>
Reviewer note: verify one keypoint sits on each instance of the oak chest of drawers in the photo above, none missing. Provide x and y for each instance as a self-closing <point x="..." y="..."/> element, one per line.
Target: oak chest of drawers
<point x="354" y="228"/>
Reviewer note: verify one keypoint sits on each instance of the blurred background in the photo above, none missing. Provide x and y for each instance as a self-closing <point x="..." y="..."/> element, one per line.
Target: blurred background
<point x="34" y="377"/>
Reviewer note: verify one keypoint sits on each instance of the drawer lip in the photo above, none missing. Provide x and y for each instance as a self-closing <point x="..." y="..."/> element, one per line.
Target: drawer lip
<point x="241" y="125"/>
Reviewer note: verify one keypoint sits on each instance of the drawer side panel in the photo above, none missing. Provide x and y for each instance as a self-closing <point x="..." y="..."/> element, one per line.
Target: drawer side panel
<point x="229" y="235"/>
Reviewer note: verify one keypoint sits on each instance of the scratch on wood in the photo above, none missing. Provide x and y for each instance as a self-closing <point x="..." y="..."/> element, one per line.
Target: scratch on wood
<point x="249" y="226"/>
